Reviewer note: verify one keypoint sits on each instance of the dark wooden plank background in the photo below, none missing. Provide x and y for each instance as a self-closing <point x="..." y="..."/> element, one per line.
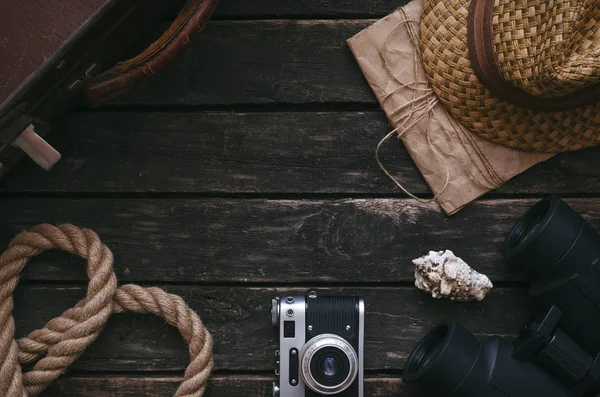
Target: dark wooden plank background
<point x="246" y="170"/>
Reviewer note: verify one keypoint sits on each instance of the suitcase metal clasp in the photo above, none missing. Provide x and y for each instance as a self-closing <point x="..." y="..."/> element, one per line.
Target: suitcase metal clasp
<point x="18" y="130"/>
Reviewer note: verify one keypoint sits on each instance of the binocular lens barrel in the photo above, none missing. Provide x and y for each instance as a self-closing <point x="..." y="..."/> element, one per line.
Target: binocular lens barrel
<point x="541" y="240"/>
<point x="560" y="253"/>
<point x="442" y="359"/>
<point x="450" y="361"/>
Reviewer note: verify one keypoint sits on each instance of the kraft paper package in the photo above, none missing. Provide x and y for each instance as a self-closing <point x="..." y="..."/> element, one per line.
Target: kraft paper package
<point x="458" y="166"/>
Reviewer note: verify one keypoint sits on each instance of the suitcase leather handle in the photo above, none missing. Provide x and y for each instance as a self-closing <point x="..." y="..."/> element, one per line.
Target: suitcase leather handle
<point x="134" y="71"/>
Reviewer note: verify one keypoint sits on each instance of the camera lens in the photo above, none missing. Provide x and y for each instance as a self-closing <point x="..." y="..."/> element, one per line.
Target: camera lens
<point x="329" y="367"/>
<point x="329" y="364"/>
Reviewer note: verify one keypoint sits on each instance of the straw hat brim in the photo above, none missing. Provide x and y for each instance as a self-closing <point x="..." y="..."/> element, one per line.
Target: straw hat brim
<point x="444" y="50"/>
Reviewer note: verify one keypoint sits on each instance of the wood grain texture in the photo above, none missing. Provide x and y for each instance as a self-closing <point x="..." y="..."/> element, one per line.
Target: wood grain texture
<point x="161" y="175"/>
<point x="218" y="152"/>
<point x="276" y="241"/>
<point x="225" y="386"/>
<point x="299" y="9"/>
<point x="262" y="62"/>
<point x="281" y="152"/>
<point x="239" y="318"/>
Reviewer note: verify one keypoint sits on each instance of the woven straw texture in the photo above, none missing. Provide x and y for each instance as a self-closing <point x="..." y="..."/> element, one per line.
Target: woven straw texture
<point x="546" y="48"/>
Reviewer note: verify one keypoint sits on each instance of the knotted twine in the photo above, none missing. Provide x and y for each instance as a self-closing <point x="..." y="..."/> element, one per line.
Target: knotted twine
<point x="419" y="107"/>
<point x="63" y="339"/>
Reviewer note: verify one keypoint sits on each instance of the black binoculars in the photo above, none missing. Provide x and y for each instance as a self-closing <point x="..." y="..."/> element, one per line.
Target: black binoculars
<point x="557" y="354"/>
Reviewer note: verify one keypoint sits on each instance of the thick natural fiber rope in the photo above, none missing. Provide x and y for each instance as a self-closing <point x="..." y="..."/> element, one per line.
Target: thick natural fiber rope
<point x="63" y="339"/>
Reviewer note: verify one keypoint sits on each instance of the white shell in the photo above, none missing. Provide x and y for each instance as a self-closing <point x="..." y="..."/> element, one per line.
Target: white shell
<point x="444" y="275"/>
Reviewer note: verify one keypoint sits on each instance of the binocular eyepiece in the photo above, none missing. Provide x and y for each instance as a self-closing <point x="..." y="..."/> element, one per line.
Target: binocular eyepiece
<point x="557" y="352"/>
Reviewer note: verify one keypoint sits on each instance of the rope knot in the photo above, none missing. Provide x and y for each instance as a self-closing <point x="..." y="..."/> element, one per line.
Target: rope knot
<point x="63" y="339"/>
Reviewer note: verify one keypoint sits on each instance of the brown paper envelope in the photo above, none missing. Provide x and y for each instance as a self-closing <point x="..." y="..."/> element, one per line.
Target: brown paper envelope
<point x="458" y="166"/>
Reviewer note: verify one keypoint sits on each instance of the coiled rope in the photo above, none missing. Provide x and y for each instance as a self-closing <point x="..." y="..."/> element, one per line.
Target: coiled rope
<point x="63" y="339"/>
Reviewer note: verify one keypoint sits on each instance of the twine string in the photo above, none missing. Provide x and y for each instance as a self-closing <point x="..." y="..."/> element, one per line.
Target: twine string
<point x="419" y="108"/>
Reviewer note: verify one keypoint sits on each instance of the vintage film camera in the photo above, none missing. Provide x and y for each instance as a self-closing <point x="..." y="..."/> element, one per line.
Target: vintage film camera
<point x="557" y="354"/>
<point x="321" y="341"/>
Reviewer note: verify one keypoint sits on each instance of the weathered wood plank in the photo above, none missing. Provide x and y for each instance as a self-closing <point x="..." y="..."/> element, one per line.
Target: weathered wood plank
<point x="262" y="62"/>
<point x="218" y="152"/>
<point x="291" y="241"/>
<point x="239" y="318"/>
<point x="306" y="8"/>
<point x="226" y="386"/>
<point x="288" y="152"/>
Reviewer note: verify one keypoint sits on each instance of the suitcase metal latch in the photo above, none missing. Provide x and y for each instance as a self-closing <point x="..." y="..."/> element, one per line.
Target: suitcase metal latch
<point x="18" y="130"/>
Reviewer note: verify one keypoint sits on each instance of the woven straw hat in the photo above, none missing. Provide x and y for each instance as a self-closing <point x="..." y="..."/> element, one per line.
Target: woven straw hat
<point x="522" y="73"/>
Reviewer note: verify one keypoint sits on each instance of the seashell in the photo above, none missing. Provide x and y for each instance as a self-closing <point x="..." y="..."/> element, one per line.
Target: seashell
<point x="444" y="275"/>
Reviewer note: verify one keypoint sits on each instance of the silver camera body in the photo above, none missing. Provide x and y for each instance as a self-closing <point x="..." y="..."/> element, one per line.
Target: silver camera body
<point x="321" y="349"/>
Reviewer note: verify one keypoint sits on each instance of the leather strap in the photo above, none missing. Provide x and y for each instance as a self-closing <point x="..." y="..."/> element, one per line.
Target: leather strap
<point x="480" y="32"/>
<point x="127" y="74"/>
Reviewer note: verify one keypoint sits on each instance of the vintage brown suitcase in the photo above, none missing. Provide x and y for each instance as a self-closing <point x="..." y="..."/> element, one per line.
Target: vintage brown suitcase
<point x="55" y="52"/>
